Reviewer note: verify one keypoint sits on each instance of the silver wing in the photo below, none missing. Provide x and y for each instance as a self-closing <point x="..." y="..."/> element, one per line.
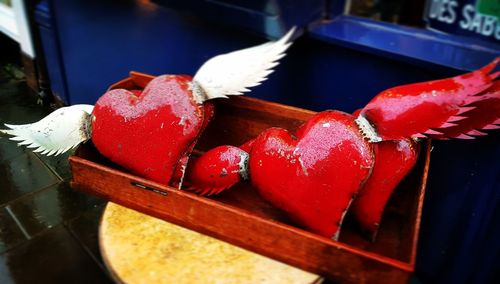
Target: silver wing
<point x="61" y="130"/>
<point x="233" y="73"/>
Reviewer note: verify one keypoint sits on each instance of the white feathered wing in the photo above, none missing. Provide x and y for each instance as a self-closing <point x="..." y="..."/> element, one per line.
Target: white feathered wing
<point x="233" y="73"/>
<point x="63" y="129"/>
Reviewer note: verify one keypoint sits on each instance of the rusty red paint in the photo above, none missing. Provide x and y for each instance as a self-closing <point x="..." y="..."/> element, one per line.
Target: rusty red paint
<point x="216" y="170"/>
<point x="136" y="93"/>
<point x="393" y="161"/>
<point x="149" y="132"/>
<point x="247" y="146"/>
<point x="209" y="173"/>
<point x="416" y="109"/>
<point x="485" y="115"/>
<point x="181" y="167"/>
<point x="315" y="176"/>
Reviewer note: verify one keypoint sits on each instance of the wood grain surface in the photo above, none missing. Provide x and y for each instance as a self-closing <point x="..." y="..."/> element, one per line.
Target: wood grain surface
<point x="138" y="248"/>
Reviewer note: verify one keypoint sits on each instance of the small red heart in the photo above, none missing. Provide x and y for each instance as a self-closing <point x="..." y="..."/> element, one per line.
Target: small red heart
<point x="152" y="132"/>
<point x="393" y="161"/>
<point x="217" y="170"/>
<point x="315" y="176"/>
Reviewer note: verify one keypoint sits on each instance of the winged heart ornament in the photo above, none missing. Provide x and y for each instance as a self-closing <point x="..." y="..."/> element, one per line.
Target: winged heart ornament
<point x="152" y="132"/>
<point x="316" y="174"/>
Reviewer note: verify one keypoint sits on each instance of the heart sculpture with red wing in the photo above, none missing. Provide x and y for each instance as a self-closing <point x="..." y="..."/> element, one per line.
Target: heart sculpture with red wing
<point x="337" y="159"/>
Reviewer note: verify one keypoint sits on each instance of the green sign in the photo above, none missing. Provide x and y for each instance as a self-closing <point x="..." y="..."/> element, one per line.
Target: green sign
<point x="488" y="7"/>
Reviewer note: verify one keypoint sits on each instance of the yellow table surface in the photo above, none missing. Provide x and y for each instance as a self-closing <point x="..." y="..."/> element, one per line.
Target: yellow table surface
<point x="141" y="249"/>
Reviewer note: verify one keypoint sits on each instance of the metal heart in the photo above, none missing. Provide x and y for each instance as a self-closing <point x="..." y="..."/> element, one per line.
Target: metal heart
<point x="393" y="161"/>
<point x="217" y="170"/>
<point x="315" y="176"/>
<point x="152" y="132"/>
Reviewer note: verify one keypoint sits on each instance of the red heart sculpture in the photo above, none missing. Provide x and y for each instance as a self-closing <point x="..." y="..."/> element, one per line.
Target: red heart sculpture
<point x="315" y="176"/>
<point x="393" y="161"/>
<point x="217" y="170"/>
<point x="150" y="133"/>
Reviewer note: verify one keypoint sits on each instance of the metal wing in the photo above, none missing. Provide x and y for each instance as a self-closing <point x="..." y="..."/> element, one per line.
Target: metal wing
<point x="483" y="115"/>
<point x="426" y="109"/>
<point x="61" y="130"/>
<point x="233" y="73"/>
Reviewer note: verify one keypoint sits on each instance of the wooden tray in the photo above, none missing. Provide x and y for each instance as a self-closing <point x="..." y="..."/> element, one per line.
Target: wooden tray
<point x="239" y="216"/>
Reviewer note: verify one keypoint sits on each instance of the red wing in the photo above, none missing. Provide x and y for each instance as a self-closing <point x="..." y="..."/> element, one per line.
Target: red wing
<point x="485" y="115"/>
<point x="417" y="110"/>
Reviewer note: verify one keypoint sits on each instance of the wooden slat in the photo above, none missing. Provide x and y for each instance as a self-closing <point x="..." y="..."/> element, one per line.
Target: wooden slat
<point x="279" y="241"/>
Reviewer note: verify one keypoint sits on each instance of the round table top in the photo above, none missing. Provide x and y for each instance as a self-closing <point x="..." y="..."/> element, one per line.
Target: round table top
<point x="138" y="248"/>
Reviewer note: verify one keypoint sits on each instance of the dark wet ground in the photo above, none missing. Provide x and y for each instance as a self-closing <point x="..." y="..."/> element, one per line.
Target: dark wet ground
<point x="48" y="231"/>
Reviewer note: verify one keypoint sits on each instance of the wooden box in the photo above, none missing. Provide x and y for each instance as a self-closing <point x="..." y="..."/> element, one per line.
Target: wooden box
<point x="239" y="216"/>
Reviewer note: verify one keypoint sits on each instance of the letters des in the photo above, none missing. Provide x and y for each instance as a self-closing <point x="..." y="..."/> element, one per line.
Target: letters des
<point x="443" y="11"/>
